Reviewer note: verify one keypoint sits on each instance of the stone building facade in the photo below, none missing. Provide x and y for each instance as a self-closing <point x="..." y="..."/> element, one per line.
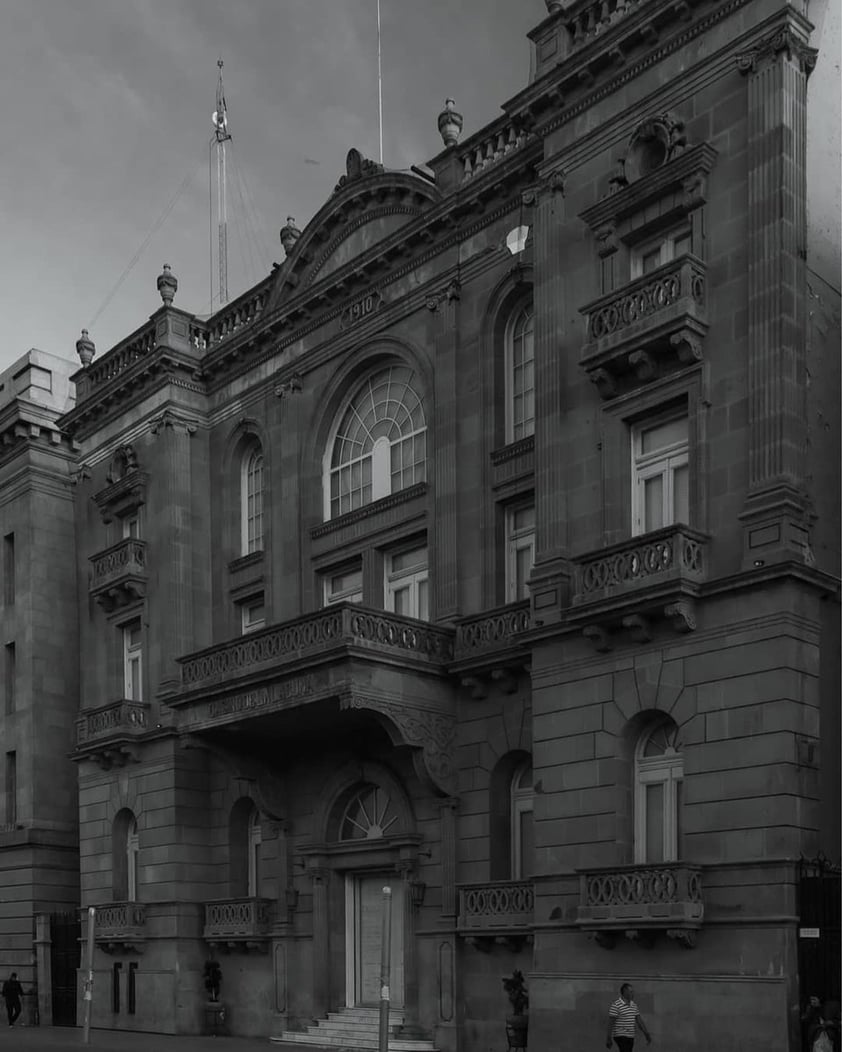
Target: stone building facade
<point x="39" y="846"/>
<point x="485" y="550"/>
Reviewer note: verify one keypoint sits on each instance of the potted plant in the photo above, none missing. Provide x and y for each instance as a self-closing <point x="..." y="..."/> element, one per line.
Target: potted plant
<point x="517" y="1024"/>
<point x="213" y="978"/>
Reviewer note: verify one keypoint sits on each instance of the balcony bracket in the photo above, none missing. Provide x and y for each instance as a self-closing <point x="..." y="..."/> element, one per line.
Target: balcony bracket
<point x="598" y="637"/>
<point x="686" y="936"/>
<point x="605" y="939"/>
<point x="681" y="615"/>
<point x="638" y="627"/>
<point x="642" y="936"/>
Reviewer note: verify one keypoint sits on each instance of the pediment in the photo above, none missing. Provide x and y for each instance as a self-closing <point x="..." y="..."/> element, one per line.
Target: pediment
<point x="368" y="206"/>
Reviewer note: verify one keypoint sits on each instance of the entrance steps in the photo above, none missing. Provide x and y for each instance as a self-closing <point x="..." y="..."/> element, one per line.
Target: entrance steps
<point x="354" y="1028"/>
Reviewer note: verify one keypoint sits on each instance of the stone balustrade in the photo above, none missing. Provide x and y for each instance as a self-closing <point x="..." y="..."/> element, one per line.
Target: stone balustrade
<point x="504" y="904"/>
<point x="683" y="279"/>
<point x="237" y="316"/>
<point x="587" y="19"/>
<point x="666" y="895"/>
<point x="237" y="920"/>
<point x="118" y="922"/>
<point x="477" y="155"/>
<point x="492" y="630"/>
<point x="346" y="624"/>
<point x="673" y="552"/>
<point x="121" y="717"/>
<point x="141" y="343"/>
<point x="127" y="556"/>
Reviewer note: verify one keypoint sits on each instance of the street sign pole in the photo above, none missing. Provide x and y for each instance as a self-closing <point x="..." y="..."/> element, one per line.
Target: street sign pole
<point x="89" y="976"/>
<point x="385" y="966"/>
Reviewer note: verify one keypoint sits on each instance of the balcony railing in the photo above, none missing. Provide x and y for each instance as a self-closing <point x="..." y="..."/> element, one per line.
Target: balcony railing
<point x="589" y="18"/>
<point x="119" y="924"/>
<point x="671" y="554"/>
<point x="481" y="153"/>
<point x="238" y="920"/>
<point x="660" y="317"/>
<point x="118" y="574"/>
<point x="121" y="717"/>
<point x="120" y="358"/>
<point x="502" y="906"/>
<point x="319" y="634"/>
<point x="492" y="631"/>
<point x="633" y="897"/>
<point x="233" y="318"/>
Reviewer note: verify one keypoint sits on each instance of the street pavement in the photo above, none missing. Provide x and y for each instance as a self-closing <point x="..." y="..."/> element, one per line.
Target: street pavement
<point x="58" y="1038"/>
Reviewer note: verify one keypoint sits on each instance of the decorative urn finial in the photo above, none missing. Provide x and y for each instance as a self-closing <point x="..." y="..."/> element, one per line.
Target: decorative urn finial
<point x="289" y="235"/>
<point x="86" y="349"/>
<point x="167" y="285"/>
<point x="450" y="124"/>
<point x="553" y="6"/>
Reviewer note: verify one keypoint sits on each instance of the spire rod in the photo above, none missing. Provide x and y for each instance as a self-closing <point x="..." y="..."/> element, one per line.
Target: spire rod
<point x="221" y="136"/>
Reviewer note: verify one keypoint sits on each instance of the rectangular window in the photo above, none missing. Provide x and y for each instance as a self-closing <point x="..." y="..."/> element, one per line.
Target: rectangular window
<point x="10" y="678"/>
<point x="9" y="569"/>
<point x="131" y="998"/>
<point x="345" y="587"/>
<point x="131" y="527"/>
<point x="663" y="249"/>
<point x="520" y="376"/>
<point x="11" y="789"/>
<point x="253" y="614"/>
<point x="407" y="583"/>
<point x="116" y="968"/>
<point x="660" y="474"/>
<point x="520" y="550"/>
<point x="132" y="661"/>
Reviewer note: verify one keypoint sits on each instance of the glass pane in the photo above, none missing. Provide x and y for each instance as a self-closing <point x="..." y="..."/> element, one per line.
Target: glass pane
<point x="523" y="567"/>
<point x="527" y="844"/>
<point x="683" y="243"/>
<point x="681" y="494"/>
<point x="423" y="602"/>
<point x="679" y="793"/>
<point x="655" y="822"/>
<point x="653" y="503"/>
<point x="409" y="560"/>
<point x="402" y="601"/>
<point x="524" y="518"/>
<point x="651" y="259"/>
<point x="673" y="432"/>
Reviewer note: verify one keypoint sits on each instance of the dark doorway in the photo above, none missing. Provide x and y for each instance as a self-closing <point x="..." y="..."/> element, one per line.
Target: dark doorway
<point x="819" y="942"/>
<point x="65" y="935"/>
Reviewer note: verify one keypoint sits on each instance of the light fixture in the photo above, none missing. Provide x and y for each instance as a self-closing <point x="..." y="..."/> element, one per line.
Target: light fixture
<point x="759" y="562"/>
<point x="516" y="239"/>
<point x="417" y="889"/>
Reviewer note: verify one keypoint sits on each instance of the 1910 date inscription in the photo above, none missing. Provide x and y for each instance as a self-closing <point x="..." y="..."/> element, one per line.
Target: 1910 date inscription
<point x="361" y="309"/>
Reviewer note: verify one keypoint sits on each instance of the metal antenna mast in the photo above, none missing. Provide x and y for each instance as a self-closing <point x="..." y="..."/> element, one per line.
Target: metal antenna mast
<point x="221" y="136"/>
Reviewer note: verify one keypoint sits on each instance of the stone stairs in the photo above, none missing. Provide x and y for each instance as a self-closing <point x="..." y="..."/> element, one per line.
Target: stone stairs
<point x="354" y="1028"/>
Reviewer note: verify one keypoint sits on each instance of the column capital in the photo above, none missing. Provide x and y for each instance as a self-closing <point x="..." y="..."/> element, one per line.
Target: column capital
<point x="783" y="41"/>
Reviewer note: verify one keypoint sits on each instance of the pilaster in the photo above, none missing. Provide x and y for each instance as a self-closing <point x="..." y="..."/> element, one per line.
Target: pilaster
<point x="447" y="811"/>
<point x="776" y="516"/>
<point x="321" y="940"/>
<point x="176" y="573"/>
<point x="444" y="309"/>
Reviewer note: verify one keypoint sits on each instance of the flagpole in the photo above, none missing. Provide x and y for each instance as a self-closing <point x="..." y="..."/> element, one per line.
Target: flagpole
<point x="379" y="84"/>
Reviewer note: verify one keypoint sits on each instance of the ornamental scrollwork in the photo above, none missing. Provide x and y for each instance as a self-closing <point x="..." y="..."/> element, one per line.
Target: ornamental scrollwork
<point x="782" y="41"/>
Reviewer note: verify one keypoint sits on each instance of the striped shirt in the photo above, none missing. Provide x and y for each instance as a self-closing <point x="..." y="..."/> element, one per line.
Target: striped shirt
<point x="624" y="1013"/>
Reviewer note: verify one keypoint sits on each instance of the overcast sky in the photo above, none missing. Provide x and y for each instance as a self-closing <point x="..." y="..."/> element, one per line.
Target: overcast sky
<point x="107" y="118"/>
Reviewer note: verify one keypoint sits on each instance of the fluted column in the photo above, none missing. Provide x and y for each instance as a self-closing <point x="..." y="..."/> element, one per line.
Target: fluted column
<point x="551" y="573"/>
<point x="447" y="811"/>
<point x="444" y="309"/>
<point x="174" y="557"/>
<point x="411" y="1027"/>
<point x="776" y="517"/>
<point x="321" y="940"/>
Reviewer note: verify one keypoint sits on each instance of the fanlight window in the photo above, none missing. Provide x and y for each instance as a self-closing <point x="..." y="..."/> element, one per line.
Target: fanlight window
<point x="381" y="442"/>
<point x="368" y="816"/>
<point x="520" y="375"/>
<point x="659" y="771"/>
<point x="251" y="500"/>
<point x="521" y="821"/>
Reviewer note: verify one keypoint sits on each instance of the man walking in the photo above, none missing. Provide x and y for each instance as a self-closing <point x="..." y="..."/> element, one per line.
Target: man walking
<point x="12" y="993"/>
<point x="623" y="1015"/>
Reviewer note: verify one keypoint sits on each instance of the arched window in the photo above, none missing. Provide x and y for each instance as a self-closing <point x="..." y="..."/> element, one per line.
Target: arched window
<point x="124" y="846"/>
<point x="251" y="500"/>
<point x="368" y="815"/>
<point x="521" y="821"/>
<point x="659" y="775"/>
<point x="520" y="375"/>
<point x="255" y="840"/>
<point x="380" y="445"/>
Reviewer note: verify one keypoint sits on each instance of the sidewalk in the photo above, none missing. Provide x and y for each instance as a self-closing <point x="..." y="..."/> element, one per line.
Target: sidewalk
<point x="56" y="1038"/>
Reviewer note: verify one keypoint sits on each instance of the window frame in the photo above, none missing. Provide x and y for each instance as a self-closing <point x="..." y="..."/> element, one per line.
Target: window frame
<point x="667" y="770"/>
<point x="132" y="852"/>
<point x="248" y="626"/>
<point x="130" y="526"/>
<point x="343" y="595"/>
<point x="377" y="464"/>
<point x="252" y="540"/>
<point x="521" y="802"/>
<point x="524" y="309"/>
<point x="662" y="462"/>
<point x="516" y="541"/>
<point x="664" y="243"/>
<point x="255" y="841"/>
<point x="132" y="656"/>
<point x="397" y="580"/>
